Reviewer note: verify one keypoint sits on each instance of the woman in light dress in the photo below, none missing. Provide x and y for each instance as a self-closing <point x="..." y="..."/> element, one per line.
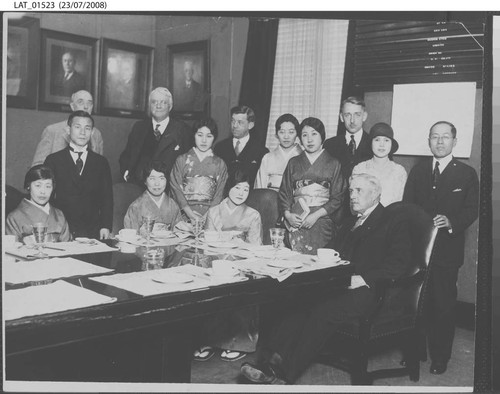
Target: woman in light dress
<point x="392" y="176"/>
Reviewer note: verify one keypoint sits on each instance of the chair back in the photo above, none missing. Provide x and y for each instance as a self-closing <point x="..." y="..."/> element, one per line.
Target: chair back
<point x="124" y="194"/>
<point x="12" y="198"/>
<point x="265" y="201"/>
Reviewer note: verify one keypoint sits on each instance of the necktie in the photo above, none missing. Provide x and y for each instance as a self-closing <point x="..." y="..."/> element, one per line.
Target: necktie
<point x="237" y="148"/>
<point x="66" y="77"/>
<point x="435" y="175"/>
<point x="79" y="163"/>
<point x="157" y="132"/>
<point x="359" y="222"/>
<point x="352" y="146"/>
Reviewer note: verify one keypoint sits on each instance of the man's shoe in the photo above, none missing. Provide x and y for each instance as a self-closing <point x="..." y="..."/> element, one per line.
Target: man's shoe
<point x="261" y="374"/>
<point x="438" y="367"/>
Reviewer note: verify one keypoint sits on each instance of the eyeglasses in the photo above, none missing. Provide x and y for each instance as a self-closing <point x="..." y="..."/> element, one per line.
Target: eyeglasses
<point x="159" y="102"/>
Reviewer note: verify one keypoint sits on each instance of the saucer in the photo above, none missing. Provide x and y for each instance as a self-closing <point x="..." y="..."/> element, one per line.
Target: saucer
<point x="163" y="234"/>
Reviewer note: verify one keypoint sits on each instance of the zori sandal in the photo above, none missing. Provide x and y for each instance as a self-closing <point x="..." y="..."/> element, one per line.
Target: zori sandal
<point x="204" y="353"/>
<point x="232" y="355"/>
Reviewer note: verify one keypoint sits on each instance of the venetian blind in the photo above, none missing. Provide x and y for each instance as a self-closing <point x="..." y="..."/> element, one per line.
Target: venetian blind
<point x="388" y="53"/>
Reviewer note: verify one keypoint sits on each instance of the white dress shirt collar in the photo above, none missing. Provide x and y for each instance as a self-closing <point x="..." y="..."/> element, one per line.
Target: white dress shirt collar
<point x="443" y="162"/>
<point x="243" y="141"/>
<point x="357" y="137"/>
<point x="163" y="124"/>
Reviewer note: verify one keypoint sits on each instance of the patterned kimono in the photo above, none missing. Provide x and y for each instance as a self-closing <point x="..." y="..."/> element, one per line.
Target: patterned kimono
<point x="199" y="184"/>
<point x="235" y="329"/>
<point x="20" y="220"/>
<point x="168" y="213"/>
<point x="272" y="167"/>
<point x="392" y="179"/>
<point x="321" y="185"/>
<point x="243" y="218"/>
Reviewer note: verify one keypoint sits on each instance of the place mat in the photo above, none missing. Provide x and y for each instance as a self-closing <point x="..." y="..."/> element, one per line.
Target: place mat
<point x="57" y="249"/>
<point x="144" y="283"/>
<point x="154" y="241"/>
<point x="55" y="297"/>
<point x="47" y="269"/>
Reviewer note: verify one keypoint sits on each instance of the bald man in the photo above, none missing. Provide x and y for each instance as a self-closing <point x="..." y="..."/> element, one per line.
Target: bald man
<point x="55" y="137"/>
<point x="158" y="138"/>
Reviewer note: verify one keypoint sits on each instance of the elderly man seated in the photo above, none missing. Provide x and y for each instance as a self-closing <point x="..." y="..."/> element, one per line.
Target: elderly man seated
<point x="55" y="137"/>
<point x="379" y="248"/>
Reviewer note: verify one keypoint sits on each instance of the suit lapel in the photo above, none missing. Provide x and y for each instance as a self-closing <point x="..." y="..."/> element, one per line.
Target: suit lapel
<point x="169" y="137"/>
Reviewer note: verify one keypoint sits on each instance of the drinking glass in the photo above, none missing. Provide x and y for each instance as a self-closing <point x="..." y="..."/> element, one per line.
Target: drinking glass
<point x="39" y="233"/>
<point x="148" y="223"/>
<point x="277" y="237"/>
<point x="153" y="259"/>
<point x="198" y="225"/>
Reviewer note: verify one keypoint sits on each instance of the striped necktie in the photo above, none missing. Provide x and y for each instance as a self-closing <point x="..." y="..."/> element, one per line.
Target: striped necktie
<point x="157" y="132"/>
<point x="352" y="146"/>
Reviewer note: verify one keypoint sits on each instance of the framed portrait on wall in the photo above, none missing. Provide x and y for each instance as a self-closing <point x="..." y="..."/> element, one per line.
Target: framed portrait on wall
<point x="68" y="65"/>
<point x="22" y="62"/>
<point x="189" y="79"/>
<point x="125" y="78"/>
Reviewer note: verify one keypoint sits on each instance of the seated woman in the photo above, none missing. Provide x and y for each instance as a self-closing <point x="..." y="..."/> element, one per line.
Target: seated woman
<point x="39" y="182"/>
<point x="234" y="332"/>
<point x="311" y="182"/>
<point x="233" y="214"/>
<point x="198" y="177"/>
<point x="273" y="163"/>
<point x="153" y="202"/>
<point x="392" y="176"/>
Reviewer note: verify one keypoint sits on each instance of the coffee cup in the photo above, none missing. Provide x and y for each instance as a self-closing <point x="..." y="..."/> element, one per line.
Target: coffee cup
<point x="211" y="236"/>
<point x="223" y="268"/>
<point x="128" y="234"/>
<point x="9" y="241"/>
<point x="326" y="255"/>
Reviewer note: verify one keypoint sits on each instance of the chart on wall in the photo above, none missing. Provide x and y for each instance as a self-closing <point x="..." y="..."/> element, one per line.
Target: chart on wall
<point x="416" y="107"/>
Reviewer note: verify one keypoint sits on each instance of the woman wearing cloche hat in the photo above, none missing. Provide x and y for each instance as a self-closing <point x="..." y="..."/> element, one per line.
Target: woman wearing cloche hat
<point x="392" y="176"/>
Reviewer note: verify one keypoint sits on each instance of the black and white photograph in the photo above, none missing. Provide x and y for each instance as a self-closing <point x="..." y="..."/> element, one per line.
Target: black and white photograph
<point x="234" y="202"/>
<point x="67" y="66"/>
<point x="189" y="78"/>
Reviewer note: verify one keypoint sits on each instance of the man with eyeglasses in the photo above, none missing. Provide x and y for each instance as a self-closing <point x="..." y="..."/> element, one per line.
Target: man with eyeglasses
<point x="55" y="137"/>
<point x="448" y="190"/>
<point x="242" y="150"/>
<point x="159" y="138"/>
<point x="353" y="146"/>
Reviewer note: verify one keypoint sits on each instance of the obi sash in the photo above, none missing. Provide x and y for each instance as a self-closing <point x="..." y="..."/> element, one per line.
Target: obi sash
<point x="274" y="181"/>
<point x="199" y="188"/>
<point x="315" y="194"/>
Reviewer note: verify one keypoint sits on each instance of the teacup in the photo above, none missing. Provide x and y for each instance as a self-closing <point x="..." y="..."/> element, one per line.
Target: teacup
<point x="326" y="255"/>
<point x="9" y="241"/>
<point x="223" y="268"/>
<point x="128" y="234"/>
<point x="211" y="236"/>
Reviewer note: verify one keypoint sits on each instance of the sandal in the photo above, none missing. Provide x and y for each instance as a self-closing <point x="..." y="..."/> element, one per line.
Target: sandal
<point x="203" y="353"/>
<point x="232" y="355"/>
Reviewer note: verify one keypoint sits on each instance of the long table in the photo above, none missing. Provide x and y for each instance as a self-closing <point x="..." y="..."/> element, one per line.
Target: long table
<point x="141" y="339"/>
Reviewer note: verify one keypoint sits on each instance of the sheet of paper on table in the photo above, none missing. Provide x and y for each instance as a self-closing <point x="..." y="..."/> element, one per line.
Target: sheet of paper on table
<point x="147" y="283"/>
<point x="67" y="248"/>
<point x="45" y="269"/>
<point x="55" y="297"/>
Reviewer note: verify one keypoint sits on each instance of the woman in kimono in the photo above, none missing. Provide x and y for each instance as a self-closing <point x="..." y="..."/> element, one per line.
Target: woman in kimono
<point x="315" y="178"/>
<point x="392" y="176"/>
<point x="153" y="202"/>
<point x="39" y="182"/>
<point x="198" y="177"/>
<point x="234" y="332"/>
<point x="273" y="163"/>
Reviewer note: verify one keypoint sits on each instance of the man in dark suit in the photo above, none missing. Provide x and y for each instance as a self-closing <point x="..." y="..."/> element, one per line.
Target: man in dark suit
<point x="242" y="150"/>
<point x="353" y="146"/>
<point x="448" y="191"/>
<point x="83" y="189"/>
<point x="378" y="246"/>
<point x="159" y="138"/>
<point x="69" y="80"/>
<point x="188" y="92"/>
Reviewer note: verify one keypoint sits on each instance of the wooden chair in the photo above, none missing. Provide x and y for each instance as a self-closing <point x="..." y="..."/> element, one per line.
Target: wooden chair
<point x="397" y="316"/>
<point x="266" y="202"/>
<point x="124" y="194"/>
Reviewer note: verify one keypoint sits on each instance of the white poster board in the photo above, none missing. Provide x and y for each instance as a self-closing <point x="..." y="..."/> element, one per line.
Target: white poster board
<point x="416" y="107"/>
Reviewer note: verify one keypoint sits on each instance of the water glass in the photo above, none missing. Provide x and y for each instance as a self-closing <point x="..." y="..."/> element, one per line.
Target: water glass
<point x="277" y="237"/>
<point x="39" y="234"/>
<point x="153" y="259"/>
<point x="198" y="225"/>
<point x="148" y="223"/>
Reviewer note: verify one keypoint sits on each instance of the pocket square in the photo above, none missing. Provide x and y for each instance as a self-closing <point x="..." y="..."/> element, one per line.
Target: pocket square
<point x="457" y="190"/>
<point x="254" y="161"/>
<point x="177" y="147"/>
